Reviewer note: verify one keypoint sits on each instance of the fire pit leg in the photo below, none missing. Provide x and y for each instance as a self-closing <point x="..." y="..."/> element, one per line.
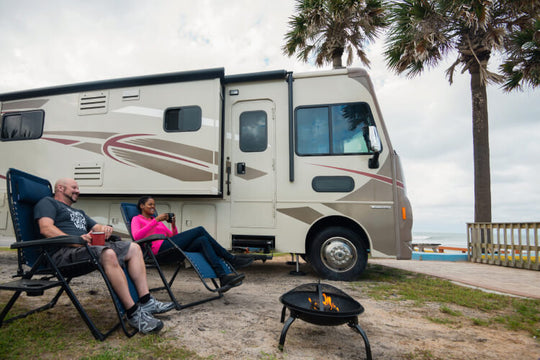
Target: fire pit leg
<point x="283" y="312"/>
<point x="284" y="332"/>
<point x="354" y="325"/>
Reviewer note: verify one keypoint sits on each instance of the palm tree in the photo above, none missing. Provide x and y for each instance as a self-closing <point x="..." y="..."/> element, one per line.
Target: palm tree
<point x="329" y="28"/>
<point x="423" y="32"/>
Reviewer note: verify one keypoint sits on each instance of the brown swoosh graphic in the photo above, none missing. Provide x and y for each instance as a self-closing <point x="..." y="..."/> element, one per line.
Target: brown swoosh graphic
<point x="165" y="167"/>
<point x="304" y="214"/>
<point x="176" y="148"/>
<point x="252" y="173"/>
<point x="96" y="148"/>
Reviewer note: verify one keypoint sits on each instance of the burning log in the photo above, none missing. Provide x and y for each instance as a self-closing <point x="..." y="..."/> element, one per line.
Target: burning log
<point x="328" y="305"/>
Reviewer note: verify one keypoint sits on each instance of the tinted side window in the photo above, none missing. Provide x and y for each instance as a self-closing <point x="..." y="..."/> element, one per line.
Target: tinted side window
<point x="312" y="131"/>
<point x="188" y="118"/>
<point x="22" y="126"/>
<point x="253" y="131"/>
<point x="333" y="129"/>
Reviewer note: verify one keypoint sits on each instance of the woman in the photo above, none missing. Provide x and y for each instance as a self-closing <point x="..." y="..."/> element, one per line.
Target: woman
<point x="194" y="240"/>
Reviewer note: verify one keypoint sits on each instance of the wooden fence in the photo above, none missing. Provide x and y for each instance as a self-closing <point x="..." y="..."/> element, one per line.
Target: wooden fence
<point x="504" y="244"/>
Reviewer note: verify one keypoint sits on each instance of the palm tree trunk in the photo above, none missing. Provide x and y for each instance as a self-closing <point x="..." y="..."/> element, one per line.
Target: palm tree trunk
<point x="482" y="181"/>
<point x="336" y="58"/>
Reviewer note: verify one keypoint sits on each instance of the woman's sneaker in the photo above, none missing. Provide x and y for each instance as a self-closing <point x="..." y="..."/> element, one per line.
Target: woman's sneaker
<point x="144" y="322"/>
<point x="231" y="280"/>
<point x="241" y="261"/>
<point x="154" y="306"/>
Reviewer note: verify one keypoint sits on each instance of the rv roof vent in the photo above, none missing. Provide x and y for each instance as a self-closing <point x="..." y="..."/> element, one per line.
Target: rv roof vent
<point x="93" y="103"/>
<point x="88" y="174"/>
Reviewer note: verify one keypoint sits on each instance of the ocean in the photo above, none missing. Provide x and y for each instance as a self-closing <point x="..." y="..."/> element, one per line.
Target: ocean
<point x="445" y="239"/>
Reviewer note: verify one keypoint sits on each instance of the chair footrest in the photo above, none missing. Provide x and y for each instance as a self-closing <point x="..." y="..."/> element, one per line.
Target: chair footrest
<point x="33" y="287"/>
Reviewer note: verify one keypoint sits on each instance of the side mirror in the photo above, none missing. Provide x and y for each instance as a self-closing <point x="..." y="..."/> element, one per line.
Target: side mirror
<point x="375" y="145"/>
<point x="374" y="140"/>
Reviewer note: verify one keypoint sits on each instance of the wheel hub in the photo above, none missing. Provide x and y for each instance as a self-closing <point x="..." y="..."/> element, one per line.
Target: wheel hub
<point x="338" y="254"/>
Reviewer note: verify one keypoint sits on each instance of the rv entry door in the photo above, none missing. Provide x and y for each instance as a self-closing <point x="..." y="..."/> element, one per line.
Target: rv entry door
<point x="253" y="180"/>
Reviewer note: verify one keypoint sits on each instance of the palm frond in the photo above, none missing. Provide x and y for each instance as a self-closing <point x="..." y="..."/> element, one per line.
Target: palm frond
<point x="417" y="38"/>
<point x="330" y="27"/>
<point x="522" y="66"/>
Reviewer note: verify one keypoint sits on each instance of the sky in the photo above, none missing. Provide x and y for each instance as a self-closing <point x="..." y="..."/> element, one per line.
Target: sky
<point x="49" y="43"/>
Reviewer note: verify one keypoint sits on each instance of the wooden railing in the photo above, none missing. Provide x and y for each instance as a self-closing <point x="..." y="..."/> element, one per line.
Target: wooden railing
<point x="504" y="244"/>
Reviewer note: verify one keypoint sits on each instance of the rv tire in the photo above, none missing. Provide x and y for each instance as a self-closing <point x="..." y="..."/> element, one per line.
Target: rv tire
<point x="338" y="253"/>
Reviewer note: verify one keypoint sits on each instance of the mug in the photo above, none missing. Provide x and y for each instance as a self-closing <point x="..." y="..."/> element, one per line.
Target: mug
<point x="98" y="238"/>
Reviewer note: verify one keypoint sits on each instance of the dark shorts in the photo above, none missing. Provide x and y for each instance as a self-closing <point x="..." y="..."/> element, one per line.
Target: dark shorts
<point x="69" y="255"/>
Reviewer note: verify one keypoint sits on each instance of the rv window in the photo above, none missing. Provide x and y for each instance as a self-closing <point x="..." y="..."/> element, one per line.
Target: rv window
<point x="188" y="118"/>
<point x="312" y="131"/>
<point x="253" y="131"/>
<point x="333" y="129"/>
<point x="22" y="126"/>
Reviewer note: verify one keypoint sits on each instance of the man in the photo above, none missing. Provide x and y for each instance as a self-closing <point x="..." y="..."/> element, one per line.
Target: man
<point x="56" y="217"/>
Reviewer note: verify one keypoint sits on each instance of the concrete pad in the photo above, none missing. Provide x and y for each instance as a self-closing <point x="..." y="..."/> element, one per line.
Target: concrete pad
<point x="506" y="280"/>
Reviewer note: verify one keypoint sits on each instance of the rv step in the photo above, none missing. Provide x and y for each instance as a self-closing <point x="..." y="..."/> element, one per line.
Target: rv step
<point x="264" y="242"/>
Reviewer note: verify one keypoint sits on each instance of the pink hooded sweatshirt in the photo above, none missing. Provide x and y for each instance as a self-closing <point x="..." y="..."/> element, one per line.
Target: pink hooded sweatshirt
<point x="142" y="227"/>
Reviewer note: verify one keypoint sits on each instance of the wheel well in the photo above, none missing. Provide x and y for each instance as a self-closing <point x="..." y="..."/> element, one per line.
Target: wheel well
<point x="332" y="221"/>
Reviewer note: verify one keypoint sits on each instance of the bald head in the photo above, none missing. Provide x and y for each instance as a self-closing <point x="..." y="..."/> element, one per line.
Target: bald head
<point x="66" y="190"/>
<point x="61" y="182"/>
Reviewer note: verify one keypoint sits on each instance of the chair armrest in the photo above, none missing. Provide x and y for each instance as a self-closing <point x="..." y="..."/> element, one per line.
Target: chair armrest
<point x="151" y="238"/>
<point x="54" y="241"/>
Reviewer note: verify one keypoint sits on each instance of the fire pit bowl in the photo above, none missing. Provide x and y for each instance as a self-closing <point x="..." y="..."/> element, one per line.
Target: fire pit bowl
<point x="321" y="304"/>
<point x="298" y="301"/>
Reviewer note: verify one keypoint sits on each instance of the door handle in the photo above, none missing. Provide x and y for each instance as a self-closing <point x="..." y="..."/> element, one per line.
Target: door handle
<point x="228" y="170"/>
<point x="240" y="168"/>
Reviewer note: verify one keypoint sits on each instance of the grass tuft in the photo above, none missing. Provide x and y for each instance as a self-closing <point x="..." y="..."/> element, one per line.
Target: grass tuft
<point x="446" y="310"/>
<point x="420" y="354"/>
<point x="394" y="284"/>
<point x="60" y="333"/>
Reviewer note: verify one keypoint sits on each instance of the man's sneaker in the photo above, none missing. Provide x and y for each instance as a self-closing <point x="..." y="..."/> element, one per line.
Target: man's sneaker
<point x="144" y="322"/>
<point x="154" y="306"/>
<point x="241" y="261"/>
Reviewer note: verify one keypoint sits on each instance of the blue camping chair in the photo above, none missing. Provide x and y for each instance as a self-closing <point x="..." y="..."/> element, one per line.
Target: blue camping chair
<point x="176" y="256"/>
<point x="36" y="270"/>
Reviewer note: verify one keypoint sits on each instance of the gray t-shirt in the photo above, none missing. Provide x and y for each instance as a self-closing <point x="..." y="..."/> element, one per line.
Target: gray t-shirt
<point x="69" y="220"/>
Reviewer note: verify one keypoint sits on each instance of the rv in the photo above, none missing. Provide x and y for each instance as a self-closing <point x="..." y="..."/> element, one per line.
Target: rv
<point x="267" y="162"/>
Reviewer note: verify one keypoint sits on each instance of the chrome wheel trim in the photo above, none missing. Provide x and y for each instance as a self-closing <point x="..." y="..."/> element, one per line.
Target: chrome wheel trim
<point x="338" y="254"/>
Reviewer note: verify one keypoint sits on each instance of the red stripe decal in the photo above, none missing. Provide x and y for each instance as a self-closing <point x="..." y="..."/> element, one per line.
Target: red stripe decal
<point x="385" y="179"/>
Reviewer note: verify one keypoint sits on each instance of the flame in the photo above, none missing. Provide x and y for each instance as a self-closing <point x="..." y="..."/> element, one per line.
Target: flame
<point x="328" y="302"/>
<point x="328" y="305"/>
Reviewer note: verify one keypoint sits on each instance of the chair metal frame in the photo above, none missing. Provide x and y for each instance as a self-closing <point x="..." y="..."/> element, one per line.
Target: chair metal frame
<point x="36" y="254"/>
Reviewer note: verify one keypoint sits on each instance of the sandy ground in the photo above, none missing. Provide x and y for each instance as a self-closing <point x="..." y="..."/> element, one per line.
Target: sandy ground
<point x="245" y="323"/>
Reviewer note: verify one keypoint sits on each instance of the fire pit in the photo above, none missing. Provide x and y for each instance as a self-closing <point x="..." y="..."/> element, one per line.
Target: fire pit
<point x="321" y="304"/>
